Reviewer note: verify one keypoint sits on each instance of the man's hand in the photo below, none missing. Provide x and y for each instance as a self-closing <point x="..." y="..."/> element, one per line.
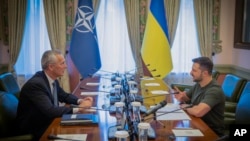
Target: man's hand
<point x="85" y="104"/>
<point x="182" y="97"/>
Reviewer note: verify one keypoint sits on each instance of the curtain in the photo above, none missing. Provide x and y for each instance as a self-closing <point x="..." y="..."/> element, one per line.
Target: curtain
<point x="113" y="38"/>
<point x="56" y="25"/>
<point x="172" y="12"/>
<point x="4" y="21"/>
<point x="185" y="45"/>
<point x="34" y="42"/>
<point x="96" y="4"/>
<point x="133" y="22"/>
<point x="204" y="22"/>
<point x="16" y="14"/>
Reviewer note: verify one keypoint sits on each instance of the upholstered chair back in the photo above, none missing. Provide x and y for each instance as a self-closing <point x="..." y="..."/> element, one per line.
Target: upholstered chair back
<point x="9" y="84"/>
<point x="242" y="114"/>
<point x="8" y="109"/>
<point x="232" y="87"/>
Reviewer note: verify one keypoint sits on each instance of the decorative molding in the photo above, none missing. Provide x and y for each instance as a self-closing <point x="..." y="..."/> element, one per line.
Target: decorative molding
<point x="143" y="17"/>
<point x="239" y="71"/>
<point x="216" y="45"/>
<point x="70" y="16"/>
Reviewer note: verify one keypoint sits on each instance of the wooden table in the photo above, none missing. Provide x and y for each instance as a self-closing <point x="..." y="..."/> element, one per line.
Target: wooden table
<point x="99" y="132"/>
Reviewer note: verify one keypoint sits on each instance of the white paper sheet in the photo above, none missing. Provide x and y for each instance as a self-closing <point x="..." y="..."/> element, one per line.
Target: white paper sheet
<point x="171" y="112"/>
<point x="90" y="93"/>
<point x="187" y="132"/>
<point x="92" y="84"/>
<point x="80" y="137"/>
<point x="147" y="78"/>
<point x="152" y="84"/>
<point x="159" y="92"/>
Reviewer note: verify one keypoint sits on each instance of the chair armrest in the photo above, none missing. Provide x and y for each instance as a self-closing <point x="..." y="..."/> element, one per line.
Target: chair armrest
<point x="230" y="107"/>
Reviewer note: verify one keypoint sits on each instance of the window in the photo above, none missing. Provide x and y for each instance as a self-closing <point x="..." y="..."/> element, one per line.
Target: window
<point x="185" y="45"/>
<point x="114" y="45"/>
<point x="35" y="40"/>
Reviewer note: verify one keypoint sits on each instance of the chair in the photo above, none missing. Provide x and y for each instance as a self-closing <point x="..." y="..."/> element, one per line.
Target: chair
<point x="215" y="74"/>
<point x="232" y="87"/>
<point x="9" y="84"/>
<point x="8" y="109"/>
<point x="242" y="113"/>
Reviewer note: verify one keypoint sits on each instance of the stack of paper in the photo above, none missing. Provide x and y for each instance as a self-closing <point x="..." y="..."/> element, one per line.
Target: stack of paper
<point x="171" y="112"/>
<point x="187" y="132"/>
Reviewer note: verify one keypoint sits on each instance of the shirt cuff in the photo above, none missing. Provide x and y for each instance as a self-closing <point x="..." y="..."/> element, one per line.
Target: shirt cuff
<point x="79" y="101"/>
<point x="75" y="110"/>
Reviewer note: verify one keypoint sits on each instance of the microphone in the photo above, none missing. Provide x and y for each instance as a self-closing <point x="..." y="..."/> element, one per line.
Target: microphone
<point x="157" y="107"/>
<point x="157" y="75"/>
<point x="84" y="88"/>
<point x="149" y="77"/>
<point x="94" y="69"/>
<point x="91" y="109"/>
<point x="160" y="95"/>
<point x="153" y="70"/>
<point x="100" y="76"/>
<point x="54" y="137"/>
<point x="164" y="113"/>
<point x="137" y="68"/>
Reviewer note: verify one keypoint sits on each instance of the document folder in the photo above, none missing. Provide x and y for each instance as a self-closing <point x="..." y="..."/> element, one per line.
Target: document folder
<point x="79" y="119"/>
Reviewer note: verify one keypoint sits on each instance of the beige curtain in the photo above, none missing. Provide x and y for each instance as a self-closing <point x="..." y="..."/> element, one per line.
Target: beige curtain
<point x="96" y="4"/>
<point x="16" y="20"/>
<point x="133" y="23"/>
<point x="204" y="13"/>
<point x="172" y="12"/>
<point x="3" y="21"/>
<point x="56" y="25"/>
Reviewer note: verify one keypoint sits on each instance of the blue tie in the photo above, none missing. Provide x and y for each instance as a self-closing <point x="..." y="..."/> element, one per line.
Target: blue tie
<point x="54" y="92"/>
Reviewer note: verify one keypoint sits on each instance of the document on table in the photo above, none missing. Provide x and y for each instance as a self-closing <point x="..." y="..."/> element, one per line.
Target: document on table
<point x="147" y="78"/>
<point x="152" y="84"/>
<point x="90" y="93"/>
<point x="171" y="112"/>
<point x="77" y="137"/>
<point x="159" y="92"/>
<point x="187" y="132"/>
<point x="92" y="84"/>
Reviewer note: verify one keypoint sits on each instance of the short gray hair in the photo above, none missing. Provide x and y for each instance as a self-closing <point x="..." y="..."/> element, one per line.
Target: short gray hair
<point x="49" y="57"/>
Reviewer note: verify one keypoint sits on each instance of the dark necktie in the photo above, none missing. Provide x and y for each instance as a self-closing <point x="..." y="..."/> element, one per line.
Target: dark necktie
<point x="54" y="92"/>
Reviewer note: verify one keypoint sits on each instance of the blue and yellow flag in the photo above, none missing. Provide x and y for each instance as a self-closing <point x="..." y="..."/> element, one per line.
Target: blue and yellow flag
<point x="84" y="50"/>
<point x="155" y="47"/>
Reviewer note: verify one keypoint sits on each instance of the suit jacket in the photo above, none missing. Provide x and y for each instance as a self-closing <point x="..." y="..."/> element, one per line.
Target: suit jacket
<point x="36" y="109"/>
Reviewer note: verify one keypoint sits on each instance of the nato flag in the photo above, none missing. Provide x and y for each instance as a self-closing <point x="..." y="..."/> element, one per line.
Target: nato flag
<point x="84" y="50"/>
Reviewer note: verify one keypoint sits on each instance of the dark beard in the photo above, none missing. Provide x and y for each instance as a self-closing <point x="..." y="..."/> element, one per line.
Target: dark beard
<point x="198" y="79"/>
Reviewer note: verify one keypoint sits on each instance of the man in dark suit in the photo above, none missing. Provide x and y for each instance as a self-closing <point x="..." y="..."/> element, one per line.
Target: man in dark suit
<point x="37" y="105"/>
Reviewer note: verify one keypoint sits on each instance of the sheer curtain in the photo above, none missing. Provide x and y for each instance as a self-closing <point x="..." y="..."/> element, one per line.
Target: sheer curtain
<point x="113" y="37"/>
<point x="35" y="41"/>
<point x="185" y="45"/>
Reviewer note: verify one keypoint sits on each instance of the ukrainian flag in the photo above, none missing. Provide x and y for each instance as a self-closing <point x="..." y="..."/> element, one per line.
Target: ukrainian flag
<point x="155" y="47"/>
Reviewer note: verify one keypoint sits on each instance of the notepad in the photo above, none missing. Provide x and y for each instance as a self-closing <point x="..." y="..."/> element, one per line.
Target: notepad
<point x="187" y="132"/>
<point x="79" y="119"/>
<point x="80" y="137"/>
